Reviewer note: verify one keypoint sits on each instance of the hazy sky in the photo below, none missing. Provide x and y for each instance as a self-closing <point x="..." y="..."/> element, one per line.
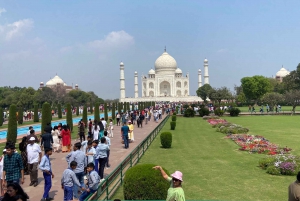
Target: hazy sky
<point x="85" y="41"/>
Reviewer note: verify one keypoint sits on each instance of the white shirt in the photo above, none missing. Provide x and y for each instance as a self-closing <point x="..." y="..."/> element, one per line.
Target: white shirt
<point x="33" y="153"/>
<point x="104" y="123"/>
<point x="28" y="132"/>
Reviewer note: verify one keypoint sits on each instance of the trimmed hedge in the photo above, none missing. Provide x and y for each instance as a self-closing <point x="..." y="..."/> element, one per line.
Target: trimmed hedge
<point x="77" y="110"/>
<point x="203" y="112"/>
<point x="59" y="112"/>
<point x="69" y="116"/>
<point x="12" y="130"/>
<point x="113" y="111"/>
<point x="46" y="115"/>
<point x="36" y="113"/>
<point x="96" y="112"/>
<point x="219" y="112"/>
<point x="142" y="182"/>
<point x="234" y="111"/>
<point x="174" y="117"/>
<point x="166" y="139"/>
<point x="173" y="125"/>
<point x="1" y="116"/>
<point x="91" y="108"/>
<point x="189" y="112"/>
<point x="105" y="112"/>
<point x="20" y="115"/>
<point x="84" y="115"/>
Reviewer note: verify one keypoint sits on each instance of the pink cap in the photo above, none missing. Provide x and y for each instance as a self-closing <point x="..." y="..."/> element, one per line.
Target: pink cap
<point x="177" y="175"/>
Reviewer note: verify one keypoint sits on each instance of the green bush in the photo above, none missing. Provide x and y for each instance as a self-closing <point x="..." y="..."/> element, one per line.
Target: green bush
<point x="265" y="162"/>
<point x="173" y="125"/>
<point x="273" y="170"/>
<point x="12" y="124"/>
<point x="84" y="115"/>
<point x="36" y="113"/>
<point x="46" y="115"/>
<point x="113" y="111"/>
<point x="189" y="112"/>
<point x="59" y="112"/>
<point x="105" y="112"/>
<point x="69" y="116"/>
<point x="142" y="182"/>
<point x="1" y="116"/>
<point x="174" y="117"/>
<point x="77" y="111"/>
<point x="166" y="139"/>
<point x="20" y="115"/>
<point x="234" y="111"/>
<point x="96" y="112"/>
<point x="203" y="112"/>
<point x="219" y="112"/>
<point x="174" y="113"/>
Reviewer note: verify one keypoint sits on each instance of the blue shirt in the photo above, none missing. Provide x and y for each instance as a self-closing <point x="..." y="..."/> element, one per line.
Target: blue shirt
<point x="45" y="164"/>
<point x="93" y="180"/>
<point x="101" y="151"/>
<point x="69" y="178"/>
<point x="125" y="130"/>
<point x="107" y="141"/>
<point x="79" y="157"/>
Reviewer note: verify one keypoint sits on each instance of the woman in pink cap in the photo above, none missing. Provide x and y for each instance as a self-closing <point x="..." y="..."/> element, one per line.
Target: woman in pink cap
<point x="175" y="192"/>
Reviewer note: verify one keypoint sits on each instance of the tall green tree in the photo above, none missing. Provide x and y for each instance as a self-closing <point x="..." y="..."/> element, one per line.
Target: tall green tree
<point x="84" y="115"/>
<point x="20" y="115"/>
<point x="113" y="111"/>
<point x="119" y="108"/>
<point x="292" y="81"/>
<point x="128" y="106"/>
<point x="292" y="97"/>
<point x="77" y="110"/>
<point x="46" y="115"/>
<point x="91" y="108"/>
<point x="59" y="112"/>
<point x="69" y="116"/>
<point x="255" y="87"/>
<point x="96" y="112"/>
<point x="124" y="107"/>
<point x="272" y="98"/>
<point x="12" y="130"/>
<point x="36" y="113"/>
<point x="1" y="116"/>
<point x="204" y="91"/>
<point x="220" y="94"/>
<point x="105" y="112"/>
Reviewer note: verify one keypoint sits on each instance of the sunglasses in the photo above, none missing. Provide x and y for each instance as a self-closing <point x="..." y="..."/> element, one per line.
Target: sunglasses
<point x="174" y="179"/>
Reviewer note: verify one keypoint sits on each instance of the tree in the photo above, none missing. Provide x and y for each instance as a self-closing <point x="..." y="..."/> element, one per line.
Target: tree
<point x="59" y="112"/>
<point x="36" y="113"/>
<point x="105" y="112"/>
<point x="119" y="107"/>
<point x="91" y="108"/>
<point x="12" y="130"/>
<point x="220" y="94"/>
<point x="124" y="107"/>
<point x="69" y="116"/>
<point x="204" y="91"/>
<point x="272" y="98"/>
<point x="113" y="111"/>
<point x="255" y="87"/>
<point x="292" y="97"/>
<point x="20" y="115"/>
<point x="1" y="116"/>
<point x="46" y="115"/>
<point x="96" y="112"/>
<point x="84" y="115"/>
<point x="77" y="111"/>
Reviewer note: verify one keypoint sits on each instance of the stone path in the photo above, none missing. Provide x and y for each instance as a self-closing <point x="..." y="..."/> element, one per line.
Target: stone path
<point x="59" y="164"/>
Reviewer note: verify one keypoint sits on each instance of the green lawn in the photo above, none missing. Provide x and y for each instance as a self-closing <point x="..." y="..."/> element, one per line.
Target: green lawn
<point x="213" y="167"/>
<point x="283" y="108"/>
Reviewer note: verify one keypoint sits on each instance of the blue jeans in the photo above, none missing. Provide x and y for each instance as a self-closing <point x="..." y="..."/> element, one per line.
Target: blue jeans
<point x="48" y="184"/>
<point x="75" y="187"/>
<point x="86" y="194"/>
<point x="96" y="162"/>
<point x="126" y="143"/>
<point x="68" y="193"/>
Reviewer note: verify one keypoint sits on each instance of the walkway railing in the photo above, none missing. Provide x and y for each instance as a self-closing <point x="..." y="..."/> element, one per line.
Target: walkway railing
<point x="109" y="186"/>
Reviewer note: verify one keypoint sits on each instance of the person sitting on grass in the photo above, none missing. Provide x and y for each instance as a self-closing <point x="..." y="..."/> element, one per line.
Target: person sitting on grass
<point x="175" y="192"/>
<point x="93" y="182"/>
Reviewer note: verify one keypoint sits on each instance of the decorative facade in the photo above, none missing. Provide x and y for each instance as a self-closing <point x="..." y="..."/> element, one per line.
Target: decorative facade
<point x="55" y="82"/>
<point x="281" y="74"/>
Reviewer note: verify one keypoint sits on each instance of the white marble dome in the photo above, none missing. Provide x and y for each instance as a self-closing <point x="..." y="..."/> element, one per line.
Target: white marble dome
<point x="282" y="72"/>
<point x="178" y="70"/>
<point x="151" y="71"/>
<point x="54" y="81"/>
<point x="165" y="63"/>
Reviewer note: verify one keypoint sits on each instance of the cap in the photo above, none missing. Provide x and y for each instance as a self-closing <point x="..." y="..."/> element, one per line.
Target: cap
<point x="32" y="139"/>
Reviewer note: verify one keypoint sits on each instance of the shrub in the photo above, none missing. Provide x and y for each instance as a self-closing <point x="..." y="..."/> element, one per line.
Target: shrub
<point x="77" y="111"/>
<point x="265" y="162"/>
<point x="12" y="124"/>
<point x="166" y="139"/>
<point x="173" y="125"/>
<point x="113" y="111"/>
<point x="189" y="112"/>
<point x="273" y="170"/>
<point x="234" y="111"/>
<point x="105" y="112"/>
<point x="174" y="113"/>
<point x="36" y="113"/>
<point x="69" y="116"/>
<point x="20" y="115"/>
<point x="59" y="112"/>
<point x="84" y="115"/>
<point x="174" y="117"/>
<point x="142" y="182"/>
<point x="210" y="117"/>
<point x="1" y="116"/>
<point x="91" y="108"/>
<point x="219" y="112"/>
<point x="46" y="115"/>
<point x="96" y="112"/>
<point x="203" y="112"/>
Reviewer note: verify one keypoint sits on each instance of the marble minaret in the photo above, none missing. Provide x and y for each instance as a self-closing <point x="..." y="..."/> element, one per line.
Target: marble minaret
<point x="136" y="88"/>
<point x="206" y="76"/>
<point x="122" y="81"/>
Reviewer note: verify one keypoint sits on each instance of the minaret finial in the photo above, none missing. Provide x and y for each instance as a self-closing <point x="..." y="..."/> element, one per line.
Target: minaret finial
<point x="165" y="48"/>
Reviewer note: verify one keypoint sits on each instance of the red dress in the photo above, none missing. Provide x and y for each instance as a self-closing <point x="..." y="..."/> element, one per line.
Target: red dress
<point x="66" y="137"/>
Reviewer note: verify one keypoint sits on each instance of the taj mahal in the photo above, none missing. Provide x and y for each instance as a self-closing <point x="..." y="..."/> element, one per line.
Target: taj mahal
<point x="164" y="83"/>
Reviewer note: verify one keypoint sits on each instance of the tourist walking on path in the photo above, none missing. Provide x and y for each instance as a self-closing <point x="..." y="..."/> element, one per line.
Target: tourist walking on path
<point x="111" y="128"/>
<point x="118" y="119"/>
<point x="80" y="158"/>
<point x="101" y="155"/>
<point x="101" y="132"/>
<point x="131" y="127"/>
<point x="175" y="192"/>
<point x="13" y="168"/>
<point x="66" y="138"/>
<point x="32" y="134"/>
<point x="95" y="130"/>
<point x="108" y="151"/>
<point x="93" y="182"/>
<point x="124" y="135"/>
<point x="47" y="139"/>
<point x="56" y="141"/>
<point x="23" y="149"/>
<point x="34" y="158"/>
<point x="15" y="193"/>
<point x="69" y="180"/>
<point x="48" y="175"/>
<point x="141" y="117"/>
<point x="81" y="131"/>
<point x="90" y="129"/>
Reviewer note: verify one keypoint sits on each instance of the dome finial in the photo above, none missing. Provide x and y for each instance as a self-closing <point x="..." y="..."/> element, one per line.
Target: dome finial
<point x="165" y="48"/>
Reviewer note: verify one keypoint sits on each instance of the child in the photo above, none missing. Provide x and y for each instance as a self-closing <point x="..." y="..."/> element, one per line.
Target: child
<point x="108" y="151"/>
<point x="96" y="161"/>
<point x="111" y="128"/>
<point x="93" y="181"/>
<point x="84" y="144"/>
<point x="45" y="166"/>
<point x="67" y="181"/>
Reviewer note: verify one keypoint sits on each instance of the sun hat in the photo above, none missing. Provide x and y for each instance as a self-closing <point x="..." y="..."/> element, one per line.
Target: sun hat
<point x="32" y="139"/>
<point x="129" y="121"/>
<point x="177" y="175"/>
<point x="4" y="150"/>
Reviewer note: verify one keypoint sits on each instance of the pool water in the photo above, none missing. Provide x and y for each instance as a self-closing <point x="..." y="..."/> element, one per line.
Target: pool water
<point x="37" y="127"/>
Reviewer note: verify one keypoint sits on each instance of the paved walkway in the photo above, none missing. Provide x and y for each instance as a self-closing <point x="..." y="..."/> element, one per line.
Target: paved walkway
<point x="59" y="164"/>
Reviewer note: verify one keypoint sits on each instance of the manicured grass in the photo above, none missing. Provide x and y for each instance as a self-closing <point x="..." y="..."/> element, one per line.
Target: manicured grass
<point x="283" y="108"/>
<point x="213" y="167"/>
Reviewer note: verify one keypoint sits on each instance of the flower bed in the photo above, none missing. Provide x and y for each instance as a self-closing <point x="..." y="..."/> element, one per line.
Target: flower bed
<point x="216" y="121"/>
<point x="281" y="164"/>
<point x="225" y="127"/>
